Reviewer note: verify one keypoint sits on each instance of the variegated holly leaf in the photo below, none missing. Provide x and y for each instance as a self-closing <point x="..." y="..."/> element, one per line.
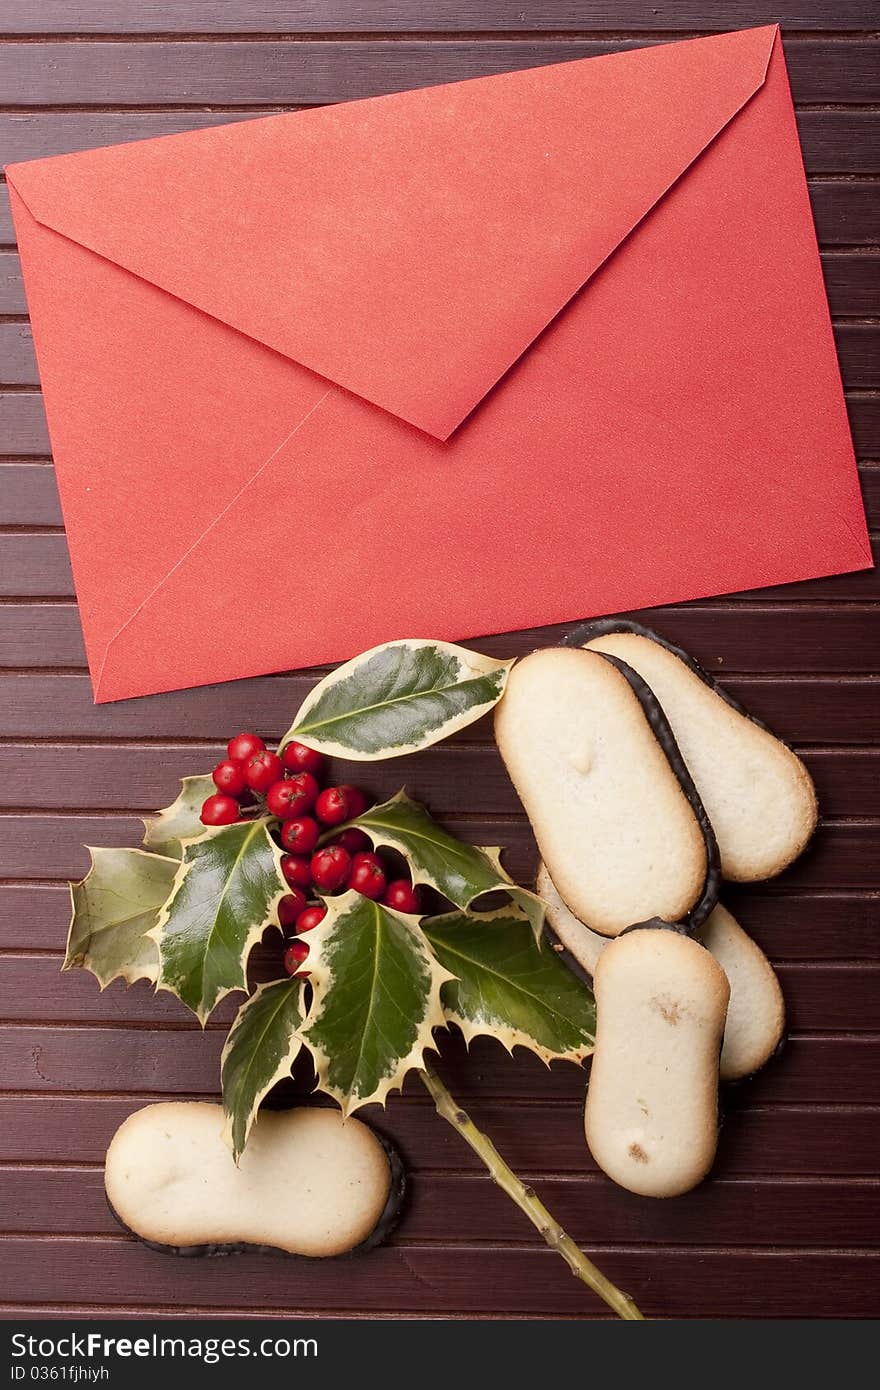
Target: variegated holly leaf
<point x="113" y="909"/>
<point x="180" y="820"/>
<point x="461" y="872"/>
<point x="260" y="1050"/>
<point x="397" y="698"/>
<point x="226" y="890"/>
<point x="375" y="999"/>
<point x="510" y="986"/>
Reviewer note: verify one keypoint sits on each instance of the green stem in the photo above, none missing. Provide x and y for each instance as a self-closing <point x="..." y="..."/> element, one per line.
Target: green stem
<point x="527" y="1200"/>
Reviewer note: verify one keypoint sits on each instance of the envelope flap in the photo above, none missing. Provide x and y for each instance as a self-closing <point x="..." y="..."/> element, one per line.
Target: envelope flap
<point x="408" y="247"/>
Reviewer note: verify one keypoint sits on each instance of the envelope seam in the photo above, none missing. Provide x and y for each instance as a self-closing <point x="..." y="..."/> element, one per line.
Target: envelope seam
<point x="207" y="530"/>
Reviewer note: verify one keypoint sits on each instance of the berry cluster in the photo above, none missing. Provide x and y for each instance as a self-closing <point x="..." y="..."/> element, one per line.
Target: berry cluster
<point x="315" y="860"/>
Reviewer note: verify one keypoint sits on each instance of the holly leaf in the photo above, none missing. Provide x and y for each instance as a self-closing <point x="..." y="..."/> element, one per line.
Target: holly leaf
<point x="461" y="872"/>
<point x="113" y="909"/>
<point x="510" y="986"/>
<point x="179" y="821"/>
<point x="375" y="999"/>
<point x="260" y="1050"/>
<point x="225" y="893"/>
<point x="397" y="698"/>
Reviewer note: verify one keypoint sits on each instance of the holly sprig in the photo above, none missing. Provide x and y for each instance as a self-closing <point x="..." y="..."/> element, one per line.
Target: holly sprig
<point x="370" y="985"/>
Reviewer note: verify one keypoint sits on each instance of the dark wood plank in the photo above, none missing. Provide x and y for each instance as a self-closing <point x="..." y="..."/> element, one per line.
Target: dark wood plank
<point x="846" y="212"/>
<point x="736" y="1212"/>
<point x="477" y="1279"/>
<point x="109" y="776"/>
<point x="7" y="235"/>
<point x="389" y="16"/>
<point x="778" y="1141"/>
<point x="824" y="709"/>
<point x="48" y="634"/>
<point x="852" y="284"/>
<point x="287" y="75"/>
<point x="790" y="926"/>
<point x="56" y="1058"/>
<point x="28" y="494"/>
<point x="33" y="989"/>
<point x="12" y="300"/>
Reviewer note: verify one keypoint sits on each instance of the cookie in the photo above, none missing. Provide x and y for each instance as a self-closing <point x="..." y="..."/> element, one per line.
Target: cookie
<point x="651" y="1118"/>
<point x="309" y="1182"/>
<point x="756" y="791"/>
<point x="756" y="1011"/>
<point x="613" y="808"/>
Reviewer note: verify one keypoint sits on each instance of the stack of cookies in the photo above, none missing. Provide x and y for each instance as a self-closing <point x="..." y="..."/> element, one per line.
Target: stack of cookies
<point x="647" y="787"/>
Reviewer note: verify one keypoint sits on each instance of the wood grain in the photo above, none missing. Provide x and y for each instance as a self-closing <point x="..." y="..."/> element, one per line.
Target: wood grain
<point x="766" y="1142"/>
<point x="71" y="1201"/>
<point x="389" y="16"/>
<point x="101" y="778"/>
<point x="312" y="73"/>
<point x="788" y="1224"/>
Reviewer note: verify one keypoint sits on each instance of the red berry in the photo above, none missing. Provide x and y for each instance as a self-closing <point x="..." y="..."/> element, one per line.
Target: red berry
<point x="296" y="871"/>
<point x="357" y="802"/>
<point x="244" y="746"/>
<point x="290" y="907"/>
<point x="262" y="769"/>
<point x="331" y="806"/>
<point x="294" y="957"/>
<point x="331" y="867"/>
<point x="292" y="797"/>
<point x="402" y="896"/>
<point x="219" y="810"/>
<point x="308" y="920"/>
<point x="297" y="758"/>
<point x="229" y="778"/>
<point x="354" y="840"/>
<point x="338" y="804"/>
<point x="300" y="835"/>
<point x="367" y="875"/>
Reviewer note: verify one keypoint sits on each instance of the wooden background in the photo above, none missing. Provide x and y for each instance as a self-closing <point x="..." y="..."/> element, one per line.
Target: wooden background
<point x="788" y="1224"/>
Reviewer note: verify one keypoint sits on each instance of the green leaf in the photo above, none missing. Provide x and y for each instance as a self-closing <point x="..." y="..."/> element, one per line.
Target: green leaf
<point x="180" y="821"/>
<point x="114" y="907"/>
<point x="225" y="893"/>
<point x="375" y="999"/>
<point x="511" y="987"/>
<point x="398" y="697"/>
<point x="461" y="872"/>
<point x="261" y="1049"/>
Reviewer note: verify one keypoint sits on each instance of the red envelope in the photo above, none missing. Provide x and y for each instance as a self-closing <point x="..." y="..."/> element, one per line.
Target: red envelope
<point x="455" y="361"/>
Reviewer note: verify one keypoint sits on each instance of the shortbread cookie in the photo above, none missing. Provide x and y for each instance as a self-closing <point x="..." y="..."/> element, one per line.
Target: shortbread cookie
<point x="582" y="945"/>
<point x="756" y="1012"/>
<point x="651" y="1117"/>
<point x="756" y="791"/>
<point x="309" y="1182"/>
<point x="615" y="813"/>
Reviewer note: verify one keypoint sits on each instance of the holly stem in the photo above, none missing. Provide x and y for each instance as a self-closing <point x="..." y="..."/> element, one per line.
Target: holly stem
<point x="527" y="1199"/>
